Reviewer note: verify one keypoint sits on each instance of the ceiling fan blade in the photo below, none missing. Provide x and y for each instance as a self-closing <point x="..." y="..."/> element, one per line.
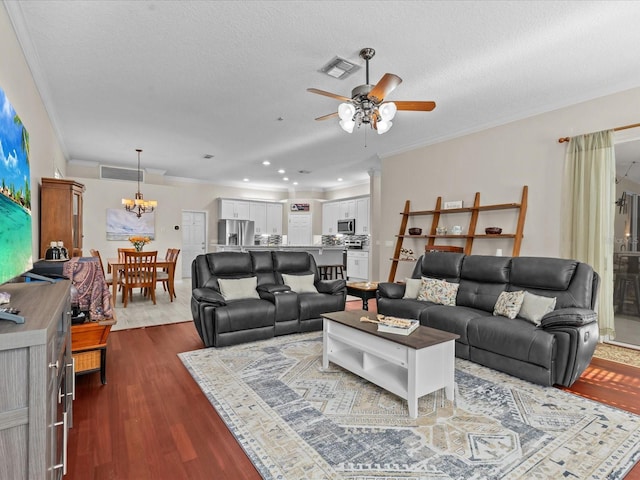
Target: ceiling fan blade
<point x="328" y="94"/>
<point x="384" y="87"/>
<point x="328" y="116"/>
<point x="415" y="106"/>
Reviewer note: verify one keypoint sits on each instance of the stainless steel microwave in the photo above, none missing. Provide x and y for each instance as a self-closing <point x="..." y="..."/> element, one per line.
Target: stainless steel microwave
<point x="347" y="226"/>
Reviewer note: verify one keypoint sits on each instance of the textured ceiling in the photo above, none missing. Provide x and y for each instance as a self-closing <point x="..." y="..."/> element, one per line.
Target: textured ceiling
<point x="181" y="79"/>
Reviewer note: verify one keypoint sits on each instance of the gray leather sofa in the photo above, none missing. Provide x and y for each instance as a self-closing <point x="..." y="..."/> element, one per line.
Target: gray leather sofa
<point x="271" y="308"/>
<point x="554" y="352"/>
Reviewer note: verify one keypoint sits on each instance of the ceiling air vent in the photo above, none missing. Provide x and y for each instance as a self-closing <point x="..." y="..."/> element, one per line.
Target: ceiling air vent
<point x="118" y="173"/>
<point x="339" y="68"/>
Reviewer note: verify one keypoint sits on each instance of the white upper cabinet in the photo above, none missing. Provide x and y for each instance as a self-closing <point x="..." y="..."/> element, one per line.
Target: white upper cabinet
<point x="258" y="213"/>
<point x="234" y="209"/>
<point x="362" y="216"/>
<point x="274" y="219"/>
<point x="347" y="209"/>
<point x="330" y="213"/>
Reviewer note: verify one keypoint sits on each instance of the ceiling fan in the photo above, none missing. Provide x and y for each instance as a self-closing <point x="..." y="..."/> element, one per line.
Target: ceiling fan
<point x="366" y="103"/>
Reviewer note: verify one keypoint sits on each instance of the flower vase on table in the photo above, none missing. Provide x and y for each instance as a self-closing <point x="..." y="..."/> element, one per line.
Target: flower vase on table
<point x="139" y="242"/>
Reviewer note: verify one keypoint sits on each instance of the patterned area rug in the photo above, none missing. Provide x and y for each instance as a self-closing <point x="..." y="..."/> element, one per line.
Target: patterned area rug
<point x="297" y="421"/>
<point x="628" y="356"/>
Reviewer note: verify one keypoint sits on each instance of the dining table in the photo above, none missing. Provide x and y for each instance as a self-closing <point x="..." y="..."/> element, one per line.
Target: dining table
<point x="116" y="264"/>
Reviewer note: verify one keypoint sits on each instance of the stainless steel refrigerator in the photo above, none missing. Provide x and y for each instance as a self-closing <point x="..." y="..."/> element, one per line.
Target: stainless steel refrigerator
<point x="235" y="232"/>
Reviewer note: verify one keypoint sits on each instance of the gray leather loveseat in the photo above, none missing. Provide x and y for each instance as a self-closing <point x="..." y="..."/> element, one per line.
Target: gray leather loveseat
<point x="545" y="343"/>
<point x="241" y="297"/>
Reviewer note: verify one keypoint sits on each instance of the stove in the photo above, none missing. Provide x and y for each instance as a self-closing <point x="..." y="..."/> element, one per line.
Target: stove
<point x="353" y="243"/>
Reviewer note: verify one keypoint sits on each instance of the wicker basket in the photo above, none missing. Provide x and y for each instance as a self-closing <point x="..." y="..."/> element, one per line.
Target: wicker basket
<point x="87" y="360"/>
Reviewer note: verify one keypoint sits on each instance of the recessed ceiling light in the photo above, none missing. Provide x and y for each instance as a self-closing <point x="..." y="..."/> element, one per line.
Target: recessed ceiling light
<point x="266" y="162"/>
<point x="339" y="179"/>
<point x="245" y="179"/>
<point x="286" y="179"/>
<point x="281" y="171"/>
<point x="295" y="183"/>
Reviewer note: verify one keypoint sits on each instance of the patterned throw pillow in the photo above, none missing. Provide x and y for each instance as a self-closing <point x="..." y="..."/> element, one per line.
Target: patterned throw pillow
<point x="438" y="291"/>
<point x="509" y="303"/>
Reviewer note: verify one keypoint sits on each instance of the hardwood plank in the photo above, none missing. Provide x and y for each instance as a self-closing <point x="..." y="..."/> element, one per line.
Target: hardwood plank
<point x="151" y="421"/>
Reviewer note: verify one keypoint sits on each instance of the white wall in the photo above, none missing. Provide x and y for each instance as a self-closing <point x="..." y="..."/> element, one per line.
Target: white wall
<point x="45" y="152"/>
<point x="496" y="162"/>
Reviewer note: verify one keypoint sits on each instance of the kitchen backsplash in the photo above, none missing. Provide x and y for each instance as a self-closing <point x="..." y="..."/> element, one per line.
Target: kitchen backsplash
<point x="333" y="240"/>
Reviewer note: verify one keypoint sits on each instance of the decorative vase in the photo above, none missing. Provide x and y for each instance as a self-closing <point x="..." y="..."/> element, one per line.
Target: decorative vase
<point x="138" y="247"/>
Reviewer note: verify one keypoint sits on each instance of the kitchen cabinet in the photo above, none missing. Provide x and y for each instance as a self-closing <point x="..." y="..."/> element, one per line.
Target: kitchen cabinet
<point x="274" y="218"/>
<point x="357" y="265"/>
<point x="36" y="386"/>
<point x="61" y="215"/>
<point x="347" y="209"/>
<point x="330" y="218"/>
<point x="234" y="209"/>
<point x="362" y="216"/>
<point x="258" y="213"/>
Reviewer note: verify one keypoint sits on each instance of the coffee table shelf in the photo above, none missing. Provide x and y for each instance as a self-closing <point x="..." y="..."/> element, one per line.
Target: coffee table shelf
<point x="407" y="366"/>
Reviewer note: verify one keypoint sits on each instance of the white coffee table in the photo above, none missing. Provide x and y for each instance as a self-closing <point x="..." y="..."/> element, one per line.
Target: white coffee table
<point x="408" y="366"/>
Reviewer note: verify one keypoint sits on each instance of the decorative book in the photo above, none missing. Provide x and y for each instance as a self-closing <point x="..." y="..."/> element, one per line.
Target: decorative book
<point x="398" y="326"/>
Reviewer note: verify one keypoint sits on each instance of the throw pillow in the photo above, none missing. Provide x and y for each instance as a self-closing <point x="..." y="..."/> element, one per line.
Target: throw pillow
<point x="237" y="288"/>
<point x="300" y="283"/>
<point x="438" y="291"/>
<point x="412" y="287"/>
<point x="508" y="304"/>
<point x="534" y="307"/>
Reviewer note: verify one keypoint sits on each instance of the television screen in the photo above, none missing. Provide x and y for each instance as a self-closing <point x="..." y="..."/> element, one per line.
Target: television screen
<point x="16" y="253"/>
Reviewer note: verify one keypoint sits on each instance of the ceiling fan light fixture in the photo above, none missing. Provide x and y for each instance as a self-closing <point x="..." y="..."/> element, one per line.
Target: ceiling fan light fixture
<point x="387" y="111"/>
<point x="383" y="126"/>
<point x="346" y="111"/>
<point x="347" y="125"/>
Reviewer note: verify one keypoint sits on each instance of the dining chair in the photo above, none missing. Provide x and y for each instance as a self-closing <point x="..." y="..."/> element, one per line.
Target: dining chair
<point x="139" y="272"/>
<point x="162" y="274"/>
<point x="107" y="277"/>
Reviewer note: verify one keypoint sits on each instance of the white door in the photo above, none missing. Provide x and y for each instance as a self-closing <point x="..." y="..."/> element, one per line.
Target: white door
<point x="300" y="232"/>
<point x="194" y="238"/>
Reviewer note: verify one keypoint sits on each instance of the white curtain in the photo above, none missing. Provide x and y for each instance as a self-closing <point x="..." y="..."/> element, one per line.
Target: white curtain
<point x="589" y="207"/>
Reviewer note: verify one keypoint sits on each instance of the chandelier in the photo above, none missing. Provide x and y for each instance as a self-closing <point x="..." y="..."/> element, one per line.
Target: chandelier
<point x="139" y="205"/>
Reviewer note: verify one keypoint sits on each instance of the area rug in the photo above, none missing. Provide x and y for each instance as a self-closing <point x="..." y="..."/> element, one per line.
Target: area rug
<point x="614" y="353"/>
<point x="296" y="421"/>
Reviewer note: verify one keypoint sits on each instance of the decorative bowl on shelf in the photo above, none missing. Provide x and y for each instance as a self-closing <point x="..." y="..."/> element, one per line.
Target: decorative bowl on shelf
<point x="493" y="230"/>
<point x="415" y="231"/>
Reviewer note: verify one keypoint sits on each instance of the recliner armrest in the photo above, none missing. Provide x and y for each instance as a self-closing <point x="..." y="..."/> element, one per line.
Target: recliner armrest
<point x="391" y="290"/>
<point x="208" y="295"/>
<point x="331" y="286"/>
<point x="269" y="291"/>
<point x="569" y="317"/>
<point x="273" y="288"/>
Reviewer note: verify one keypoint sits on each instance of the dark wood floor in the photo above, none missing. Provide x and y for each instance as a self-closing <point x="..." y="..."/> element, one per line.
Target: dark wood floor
<point x="151" y="421"/>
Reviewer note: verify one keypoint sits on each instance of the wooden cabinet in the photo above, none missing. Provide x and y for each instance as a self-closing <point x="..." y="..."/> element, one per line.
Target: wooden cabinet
<point x="234" y="209"/>
<point x="274" y="218"/>
<point x="468" y="235"/>
<point x="37" y="381"/>
<point x="61" y="215"/>
<point x="362" y="216"/>
<point x="330" y="218"/>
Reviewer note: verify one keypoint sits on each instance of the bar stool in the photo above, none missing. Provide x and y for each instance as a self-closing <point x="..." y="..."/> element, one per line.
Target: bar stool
<point x="620" y="288"/>
<point x="331" y="272"/>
